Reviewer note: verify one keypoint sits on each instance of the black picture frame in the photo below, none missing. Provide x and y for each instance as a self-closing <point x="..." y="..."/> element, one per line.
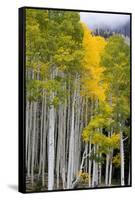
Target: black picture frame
<point x="22" y="97"/>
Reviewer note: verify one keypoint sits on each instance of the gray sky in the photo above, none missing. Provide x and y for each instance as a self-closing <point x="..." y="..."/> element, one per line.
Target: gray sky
<point x="101" y="19"/>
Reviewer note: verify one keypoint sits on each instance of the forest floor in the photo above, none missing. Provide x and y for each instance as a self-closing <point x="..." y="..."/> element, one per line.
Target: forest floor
<point x="37" y="187"/>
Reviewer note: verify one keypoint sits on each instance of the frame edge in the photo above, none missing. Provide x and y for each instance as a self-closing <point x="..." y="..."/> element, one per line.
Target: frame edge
<point x="21" y="99"/>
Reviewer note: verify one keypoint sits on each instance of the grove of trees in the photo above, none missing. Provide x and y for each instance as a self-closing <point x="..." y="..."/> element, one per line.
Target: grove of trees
<point x="77" y="104"/>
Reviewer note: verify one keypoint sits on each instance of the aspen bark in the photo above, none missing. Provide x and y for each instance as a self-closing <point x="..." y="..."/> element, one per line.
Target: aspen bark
<point x="107" y="169"/>
<point x="110" y="171"/>
<point x="33" y="142"/>
<point x="44" y="143"/>
<point x="51" y="149"/>
<point x="29" y="140"/>
<point x="90" y="164"/>
<point x="122" y="157"/>
<point x="71" y="148"/>
<point x="94" y="170"/>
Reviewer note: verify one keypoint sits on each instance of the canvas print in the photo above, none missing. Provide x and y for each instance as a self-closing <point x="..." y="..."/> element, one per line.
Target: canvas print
<point x="77" y="99"/>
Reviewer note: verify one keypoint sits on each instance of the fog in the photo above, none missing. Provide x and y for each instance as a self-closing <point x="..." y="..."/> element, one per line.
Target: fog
<point x="94" y="20"/>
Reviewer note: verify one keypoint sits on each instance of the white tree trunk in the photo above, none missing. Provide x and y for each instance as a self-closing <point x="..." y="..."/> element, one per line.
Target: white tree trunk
<point x="94" y="170"/>
<point x="110" y="171"/>
<point x="107" y="169"/>
<point x="100" y="172"/>
<point x="33" y="142"/>
<point x="59" y="144"/>
<point x="62" y="149"/>
<point x="29" y="140"/>
<point x="71" y="149"/>
<point x="51" y="149"/>
<point x="27" y="130"/>
<point x="44" y="143"/>
<point x="90" y="164"/>
<point x="41" y="139"/>
<point x="122" y="157"/>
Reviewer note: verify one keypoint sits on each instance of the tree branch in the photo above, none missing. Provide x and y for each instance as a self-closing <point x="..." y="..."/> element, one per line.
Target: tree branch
<point x="125" y="139"/>
<point x="81" y="167"/>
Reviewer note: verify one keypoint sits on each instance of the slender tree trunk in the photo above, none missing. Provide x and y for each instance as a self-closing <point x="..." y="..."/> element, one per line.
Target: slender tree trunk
<point x="77" y="132"/>
<point x="94" y="169"/>
<point x="110" y="171"/>
<point x="100" y="171"/>
<point x="107" y="165"/>
<point x="71" y="148"/>
<point x="63" y="156"/>
<point x="122" y="157"/>
<point x="44" y="143"/>
<point x="51" y="148"/>
<point x="29" y="140"/>
<point x="27" y="131"/>
<point x="59" y="144"/>
<point x="107" y="169"/>
<point x="41" y="139"/>
<point x="33" y="142"/>
<point x="90" y="164"/>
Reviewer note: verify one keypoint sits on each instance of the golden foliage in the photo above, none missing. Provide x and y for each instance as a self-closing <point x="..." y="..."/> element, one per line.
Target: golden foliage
<point x="116" y="160"/>
<point x="84" y="176"/>
<point x="85" y="135"/>
<point x="93" y="84"/>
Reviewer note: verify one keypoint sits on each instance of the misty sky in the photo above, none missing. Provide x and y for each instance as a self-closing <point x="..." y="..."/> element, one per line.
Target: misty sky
<point x="101" y="19"/>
